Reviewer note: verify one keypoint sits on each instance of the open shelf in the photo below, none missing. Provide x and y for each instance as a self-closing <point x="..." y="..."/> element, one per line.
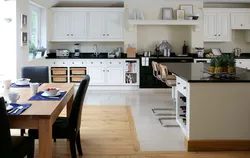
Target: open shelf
<point x="182" y="125"/>
<point x="164" y="22"/>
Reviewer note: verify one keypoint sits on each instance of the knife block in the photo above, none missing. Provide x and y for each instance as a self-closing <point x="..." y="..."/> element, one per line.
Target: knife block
<point x="131" y="52"/>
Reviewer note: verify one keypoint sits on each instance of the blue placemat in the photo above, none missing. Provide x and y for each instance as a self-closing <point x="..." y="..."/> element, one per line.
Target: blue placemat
<point x="39" y="96"/>
<point x="15" y="107"/>
<point x="13" y="85"/>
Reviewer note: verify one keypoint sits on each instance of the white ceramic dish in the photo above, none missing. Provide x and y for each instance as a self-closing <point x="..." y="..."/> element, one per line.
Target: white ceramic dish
<point x="52" y="91"/>
<point x="22" y="81"/>
<point x="46" y="95"/>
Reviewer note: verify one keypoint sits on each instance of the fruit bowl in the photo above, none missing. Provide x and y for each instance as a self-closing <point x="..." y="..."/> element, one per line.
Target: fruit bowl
<point x="51" y="91"/>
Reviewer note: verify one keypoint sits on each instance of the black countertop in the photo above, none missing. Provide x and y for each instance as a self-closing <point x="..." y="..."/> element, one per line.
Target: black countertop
<point x="196" y="72"/>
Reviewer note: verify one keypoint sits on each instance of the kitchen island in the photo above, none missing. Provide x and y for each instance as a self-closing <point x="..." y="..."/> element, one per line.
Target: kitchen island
<point x="214" y="114"/>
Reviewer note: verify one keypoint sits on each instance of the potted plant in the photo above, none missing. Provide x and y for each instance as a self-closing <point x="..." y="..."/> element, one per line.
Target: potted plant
<point x="212" y="65"/>
<point x="218" y="64"/>
<point x="231" y="64"/>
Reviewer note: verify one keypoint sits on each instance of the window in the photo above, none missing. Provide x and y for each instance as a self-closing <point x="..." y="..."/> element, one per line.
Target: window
<point x="35" y="30"/>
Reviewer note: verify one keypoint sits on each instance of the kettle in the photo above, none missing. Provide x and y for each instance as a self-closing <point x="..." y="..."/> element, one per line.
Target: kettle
<point x="237" y="52"/>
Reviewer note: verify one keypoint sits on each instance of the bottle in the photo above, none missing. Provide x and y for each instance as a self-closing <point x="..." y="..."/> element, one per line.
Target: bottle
<point x="184" y="48"/>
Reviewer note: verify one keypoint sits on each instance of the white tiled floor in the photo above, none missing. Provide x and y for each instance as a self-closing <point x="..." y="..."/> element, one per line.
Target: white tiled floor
<point x="151" y="135"/>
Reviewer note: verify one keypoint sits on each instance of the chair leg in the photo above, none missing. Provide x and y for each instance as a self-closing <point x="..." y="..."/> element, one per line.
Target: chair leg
<point x="22" y="132"/>
<point x="78" y="144"/>
<point x="73" y="148"/>
<point x="54" y="139"/>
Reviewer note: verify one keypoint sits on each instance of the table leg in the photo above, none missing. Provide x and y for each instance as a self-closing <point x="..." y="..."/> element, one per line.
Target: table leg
<point x="69" y="105"/>
<point x="45" y="138"/>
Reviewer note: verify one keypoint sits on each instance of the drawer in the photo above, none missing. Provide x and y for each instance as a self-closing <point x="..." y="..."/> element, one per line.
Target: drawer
<point x="96" y="62"/>
<point x="181" y="86"/>
<point x="78" y="63"/>
<point x="77" y="71"/>
<point x="59" y="71"/>
<point x="76" y="78"/>
<point x="59" y="79"/>
<point x="59" y="63"/>
<point x="115" y="63"/>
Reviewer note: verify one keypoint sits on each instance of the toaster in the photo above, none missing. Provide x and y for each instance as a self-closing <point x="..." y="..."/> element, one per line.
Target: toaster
<point x="62" y="53"/>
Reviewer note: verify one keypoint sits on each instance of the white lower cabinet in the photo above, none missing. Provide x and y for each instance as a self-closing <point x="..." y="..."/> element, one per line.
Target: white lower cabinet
<point x="115" y="76"/>
<point x="243" y="63"/>
<point x="97" y="76"/>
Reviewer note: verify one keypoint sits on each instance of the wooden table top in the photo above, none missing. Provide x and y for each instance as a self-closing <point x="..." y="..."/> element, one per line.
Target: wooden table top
<point x="41" y="109"/>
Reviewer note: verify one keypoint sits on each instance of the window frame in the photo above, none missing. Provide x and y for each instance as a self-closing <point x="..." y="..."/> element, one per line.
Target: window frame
<point x="38" y="11"/>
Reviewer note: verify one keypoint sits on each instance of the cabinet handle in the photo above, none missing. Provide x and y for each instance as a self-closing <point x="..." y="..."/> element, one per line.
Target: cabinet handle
<point x="119" y="62"/>
<point x="184" y="88"/>
<point x="63" y="62"/>
<point x="103" y="70"/>
<point x="240" y="62"/>
<point x="67" y="34"/>
<point x="219" y="35"/>
<point x="110" y="62"/>
<point x="108" y="70"/>
<point x="73" y="63"/>
<point x="215" y="35"/>
<point x="107" y="34"/>
<point x="178" y="83"/>
<point x="101" y="62"/>
<point x="241" y="25"/>
<point x="91" y="62"/>
<point x="54" y="62"/>
<point x="103" y="34"/>
<point x="82" y="62"/>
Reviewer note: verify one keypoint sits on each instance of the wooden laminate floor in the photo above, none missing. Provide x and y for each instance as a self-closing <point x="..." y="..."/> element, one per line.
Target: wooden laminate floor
<point x="109" y="132"/>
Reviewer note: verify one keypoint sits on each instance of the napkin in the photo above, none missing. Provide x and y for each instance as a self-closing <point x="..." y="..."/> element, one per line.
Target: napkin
<point x="15" y="107"/>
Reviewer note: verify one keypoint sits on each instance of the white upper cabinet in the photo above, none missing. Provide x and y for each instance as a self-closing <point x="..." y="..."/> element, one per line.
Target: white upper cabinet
<point x="60" y="26"/>
<point x="106" y="25"/>
<point x="78" y="25"/>
<point x="96" y="25"/>
<point x="88" y="24"/>
<point x="217" y="26"/>
<point x="114" y="25"/>
<point x="240" y="21"/>
<point x="69" y="26"/>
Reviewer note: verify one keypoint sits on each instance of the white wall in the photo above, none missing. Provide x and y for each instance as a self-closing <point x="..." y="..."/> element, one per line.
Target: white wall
<point x="146" y="37"/>
<point x="238" y="40"/>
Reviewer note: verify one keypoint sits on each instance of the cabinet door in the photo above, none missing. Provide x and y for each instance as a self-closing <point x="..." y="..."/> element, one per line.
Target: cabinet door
<point x="115" y="76"/>
<point x="61" y="25"/>
<point x="114" y="25"/>
<point x="224" y="32"/>
<point x="97" y="76"/>
<point x="96" y="25"/>
<point x="78" y="25"/>
<point x="210" y="26"/>
<point x="240" y="21"/>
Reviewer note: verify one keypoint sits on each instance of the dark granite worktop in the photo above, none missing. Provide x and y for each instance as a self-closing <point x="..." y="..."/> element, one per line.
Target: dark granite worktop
<point x="196" y="72"/>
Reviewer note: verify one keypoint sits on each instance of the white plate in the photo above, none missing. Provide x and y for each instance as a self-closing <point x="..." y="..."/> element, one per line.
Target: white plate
<point x="21" y="84"/>
<point x="45" y="95"/>
<point x="9" y="107"/>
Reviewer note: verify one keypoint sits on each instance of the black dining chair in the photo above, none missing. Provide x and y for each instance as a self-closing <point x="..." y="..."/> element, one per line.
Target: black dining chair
<point x="38" y="74"/>
<point x="68" y="128"/>
<point x="13" y="146"/>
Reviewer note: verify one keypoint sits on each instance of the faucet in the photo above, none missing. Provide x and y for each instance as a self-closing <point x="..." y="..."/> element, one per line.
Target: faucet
<point x="95" y="48"/>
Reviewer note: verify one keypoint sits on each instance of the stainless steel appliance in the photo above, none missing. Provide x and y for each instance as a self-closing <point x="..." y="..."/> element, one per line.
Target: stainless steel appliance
<point x="77" y="50"/>
<point x="199" y="52"/>
<point x="237" y="52"/>
<point x="62" y="52"/>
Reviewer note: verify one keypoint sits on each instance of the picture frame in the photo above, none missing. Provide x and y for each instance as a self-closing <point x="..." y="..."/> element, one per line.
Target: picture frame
<point x="188" y="10"/>
<point x="24" y="21"/>
<point x="167" y="13"/>
<point x="180" y="15"/>
<point x="24" y="39"/>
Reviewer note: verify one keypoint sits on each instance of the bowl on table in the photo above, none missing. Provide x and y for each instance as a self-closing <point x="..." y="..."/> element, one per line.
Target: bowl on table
<point x="23" y="81"/>
<point x="51" y="91"/>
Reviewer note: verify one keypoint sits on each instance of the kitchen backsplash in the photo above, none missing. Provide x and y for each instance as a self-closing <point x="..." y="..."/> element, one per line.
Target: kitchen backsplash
<point x="88" y="47"/>
<point x="238" y="40"/>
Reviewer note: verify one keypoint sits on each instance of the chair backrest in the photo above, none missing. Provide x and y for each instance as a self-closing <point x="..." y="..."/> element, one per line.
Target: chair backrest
<point x="155" y="68"/>
<point x="36" y="73"/>
<point x="163" y="72"/>
<point x="76" y="112"/>
<point x="5" y="137"/>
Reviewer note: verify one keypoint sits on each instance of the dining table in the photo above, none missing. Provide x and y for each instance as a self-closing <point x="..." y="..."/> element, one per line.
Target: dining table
<point x="42" y="113"/>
